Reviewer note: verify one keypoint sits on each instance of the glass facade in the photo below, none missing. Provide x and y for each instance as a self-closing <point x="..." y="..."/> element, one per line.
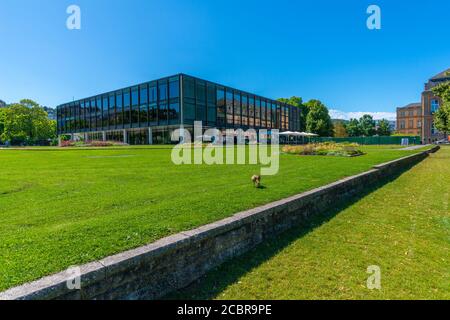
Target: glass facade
<point x="158" y="104"/>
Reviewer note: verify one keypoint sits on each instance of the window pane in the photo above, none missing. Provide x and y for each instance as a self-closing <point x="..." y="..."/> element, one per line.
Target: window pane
<point x="263" y="114"/>
<point x="105" y="111"/>
<point x="220" y="107"/>
<point x="251" y="112"/>
<point x="229" y="107"/>
<point x="188" y="87"/>
<point x="174" y="89"/>
<point x="174" y="111"/>
<point x="126" y="107"/>
<point x="153" y="94"/>
<point x="112" y="110"/>
<point x="135" y="106"/>
<point x="212" y="116"/>
<point x="211" y="94"/>
<point x="126" y="98"/>
<point x="143" y="114"/>
<point x="189" y="111"/>
<point x="244" y="110"/>
<point x="143" y="95"/>
<point x="162" y="113"/>
<point x="162" y="87"/>
<point x="237" y="109"/>
<point x="201" y="112"/>
<point x="153" y="113"/>
<point x="135" y="97"/>
<point x="201" y="92"/>
<point x="119" y="109"/>
<point x="92" y="114"/>
<point x="257" y="112"/>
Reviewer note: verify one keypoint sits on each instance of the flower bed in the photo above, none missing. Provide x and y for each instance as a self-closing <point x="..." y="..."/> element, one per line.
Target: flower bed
<point x="70" y="143"/>
<point x="325" y="149"/>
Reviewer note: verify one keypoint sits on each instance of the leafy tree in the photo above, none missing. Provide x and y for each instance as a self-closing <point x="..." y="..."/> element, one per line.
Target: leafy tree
<point x="353" y="128"/>
<point x="442" y="119"/>
<point x="384" y="128"/>
<point x="443" y="91"/>
<point x="298" y="102"/>
<point x="318" y="120"/>
<point x="442" y="115"/>
<point x="367" y="125"/>
<point x="339" y="130"/>
<point x="26" y="123"/>
<point x="2" y="121"/>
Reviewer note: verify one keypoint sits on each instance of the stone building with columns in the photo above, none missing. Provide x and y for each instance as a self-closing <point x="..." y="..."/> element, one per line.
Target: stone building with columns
<point x="418" y="118"/>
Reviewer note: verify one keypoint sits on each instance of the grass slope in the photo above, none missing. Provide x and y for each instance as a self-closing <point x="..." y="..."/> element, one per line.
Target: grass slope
<point x="64" y="207"/>
<point x="403" y="227"/>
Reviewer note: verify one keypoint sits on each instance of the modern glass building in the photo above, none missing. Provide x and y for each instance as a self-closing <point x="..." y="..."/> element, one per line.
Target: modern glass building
<point x="148" y="113"/>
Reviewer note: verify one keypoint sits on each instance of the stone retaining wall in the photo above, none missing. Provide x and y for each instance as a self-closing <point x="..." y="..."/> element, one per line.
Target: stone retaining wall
<point x="151" y="271"/>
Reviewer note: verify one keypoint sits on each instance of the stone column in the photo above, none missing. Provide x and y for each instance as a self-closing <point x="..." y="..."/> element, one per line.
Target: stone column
<point x="104" y="135"/>
<point x="124" y="136"/>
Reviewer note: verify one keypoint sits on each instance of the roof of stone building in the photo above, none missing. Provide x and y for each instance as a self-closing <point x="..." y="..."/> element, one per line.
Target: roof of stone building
<point x="442" y="75"/>
<point x="412" y="105"/>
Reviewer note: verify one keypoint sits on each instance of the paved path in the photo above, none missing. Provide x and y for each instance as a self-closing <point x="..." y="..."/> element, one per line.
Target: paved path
<point x="416" y="147"/>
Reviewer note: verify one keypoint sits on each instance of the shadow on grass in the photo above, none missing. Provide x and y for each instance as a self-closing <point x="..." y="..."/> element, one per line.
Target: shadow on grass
<point x="215" y="281"/>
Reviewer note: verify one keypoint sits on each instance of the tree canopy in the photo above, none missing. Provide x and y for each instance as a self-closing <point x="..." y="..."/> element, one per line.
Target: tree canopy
<point x="384" y="129"/>
<point x="339" y="129"/>
<point x="442" y="115"/>
<point x="26" y="123"/>
<point x="367" y="125"/>
<point x="318" y="120"/>
<point x="353" y="128"/>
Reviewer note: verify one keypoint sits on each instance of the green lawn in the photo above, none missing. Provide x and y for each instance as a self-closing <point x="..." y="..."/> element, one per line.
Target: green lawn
<point x="402" y="227"/>
<point x="60" y="207"/>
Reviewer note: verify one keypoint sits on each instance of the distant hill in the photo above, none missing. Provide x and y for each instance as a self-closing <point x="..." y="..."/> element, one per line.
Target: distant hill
<point x="334" y="121"/>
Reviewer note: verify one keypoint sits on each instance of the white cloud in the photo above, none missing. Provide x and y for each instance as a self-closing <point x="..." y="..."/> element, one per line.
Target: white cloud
<point x="342" y="115"/>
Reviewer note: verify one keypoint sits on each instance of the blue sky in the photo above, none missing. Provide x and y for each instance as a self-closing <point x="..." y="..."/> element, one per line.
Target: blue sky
<point x="314" y="49"/>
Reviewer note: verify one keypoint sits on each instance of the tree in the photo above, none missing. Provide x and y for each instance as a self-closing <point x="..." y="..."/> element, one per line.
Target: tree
<point x="339" y="130"/>
<point x="26" y="123"/>
<point x="298" y="102"/>
<point x="443" y="91"/>
<point x="442" y="119"/>
<point x="318" y="120"/>
<point x="2" y="104"/>
<point x="353" y="128"/>
<point x="384" y="129"/>
<point x="442" y="115"/>
<point x="2" y="121"/>
<point x="367" y="125"/>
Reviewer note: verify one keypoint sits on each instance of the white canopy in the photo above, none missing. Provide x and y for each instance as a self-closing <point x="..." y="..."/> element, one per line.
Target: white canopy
<point x="307" y="134"/>
<point x="287" y="133"/>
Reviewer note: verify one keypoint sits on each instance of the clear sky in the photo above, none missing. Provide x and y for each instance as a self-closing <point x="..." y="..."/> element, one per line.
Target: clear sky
<point x="313" y="49"/>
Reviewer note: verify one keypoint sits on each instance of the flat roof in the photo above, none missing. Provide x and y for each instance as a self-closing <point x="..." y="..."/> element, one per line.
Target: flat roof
<point x="172" y="76"/>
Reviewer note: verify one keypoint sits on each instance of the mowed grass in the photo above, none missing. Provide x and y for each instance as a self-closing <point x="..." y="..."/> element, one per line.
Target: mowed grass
<point x="64" y="207"/>
<point x="402" y="227"/>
